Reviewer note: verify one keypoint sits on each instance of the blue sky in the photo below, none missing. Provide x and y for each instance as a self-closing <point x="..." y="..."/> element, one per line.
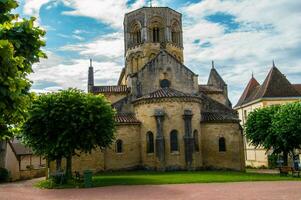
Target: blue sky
<point x="241" y="36"/>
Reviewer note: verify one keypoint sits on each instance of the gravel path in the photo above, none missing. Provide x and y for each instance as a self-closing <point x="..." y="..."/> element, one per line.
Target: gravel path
<point x="212" y="191"/>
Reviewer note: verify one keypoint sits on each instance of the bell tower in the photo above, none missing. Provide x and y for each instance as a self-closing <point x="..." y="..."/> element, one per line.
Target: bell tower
<point x="147" y="31"/>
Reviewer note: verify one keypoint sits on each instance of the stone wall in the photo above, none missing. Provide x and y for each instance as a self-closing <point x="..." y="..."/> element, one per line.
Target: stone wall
<point x="32" y="173"/>
<point x="12" y="163"/>
<point x="164" y="67"/>
<point x="130" y="156"/>
<point x="114" y="97"/>
<point x="233" y="157"/>
<point x="219" y="97"/>
<point x="104" y="160"/>
<point x="173" y="120"/>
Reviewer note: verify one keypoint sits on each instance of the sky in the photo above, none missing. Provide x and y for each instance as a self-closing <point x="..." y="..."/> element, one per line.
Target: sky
<point x="241" y="36"/>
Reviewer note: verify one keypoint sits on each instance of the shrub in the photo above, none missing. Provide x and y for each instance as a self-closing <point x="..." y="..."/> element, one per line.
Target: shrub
<point x="4" y="175"/>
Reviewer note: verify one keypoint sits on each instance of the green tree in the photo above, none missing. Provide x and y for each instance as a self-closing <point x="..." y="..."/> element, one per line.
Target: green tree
<point x="65" y="123"/>
<point x="275" y="128"/>
<point x="20" y="48"/>
<point x="286" y="128"/>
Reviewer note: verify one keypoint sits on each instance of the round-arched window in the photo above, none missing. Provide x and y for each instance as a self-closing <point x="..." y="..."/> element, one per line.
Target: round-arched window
<point x="164" y="83"/>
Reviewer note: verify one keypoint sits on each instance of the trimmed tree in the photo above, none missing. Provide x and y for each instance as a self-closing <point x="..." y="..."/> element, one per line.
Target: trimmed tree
<point x="275" y="128"/>
<point x="68" y="122"/>
<point x="286" y="126"/>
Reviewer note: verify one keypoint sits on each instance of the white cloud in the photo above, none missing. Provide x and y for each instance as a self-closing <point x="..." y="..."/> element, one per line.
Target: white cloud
<point x="108" y="11"/>
<point x="110" y="46"/>
<point x="72" y="73"/>
<point x="32" y="7"/>
<point x="267" y="31"/>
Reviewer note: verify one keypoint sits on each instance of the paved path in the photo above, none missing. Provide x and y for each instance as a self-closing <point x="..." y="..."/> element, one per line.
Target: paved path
<point x="211" y="191"/>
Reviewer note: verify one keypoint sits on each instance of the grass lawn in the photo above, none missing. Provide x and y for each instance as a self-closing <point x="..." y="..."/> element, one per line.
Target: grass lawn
<point x="179" y="177"/>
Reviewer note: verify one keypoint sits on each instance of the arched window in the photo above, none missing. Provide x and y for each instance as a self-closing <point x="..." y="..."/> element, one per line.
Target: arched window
<point x="175" y="33"/>
<point x="149" y="142"/>
<point x="196" y="140"/>
<point x="174" y="144"/>
<point x="119" y="147"/>
<point x="156" y="34"/>
<point x="135" y="33"/>
<point x="222" y="144"/>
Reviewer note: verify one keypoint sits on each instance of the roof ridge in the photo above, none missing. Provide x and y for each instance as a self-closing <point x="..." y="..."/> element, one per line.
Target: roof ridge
<point x="282" y="81"/>
<point x="252" y="84"/>
<point x="164" y="50"/>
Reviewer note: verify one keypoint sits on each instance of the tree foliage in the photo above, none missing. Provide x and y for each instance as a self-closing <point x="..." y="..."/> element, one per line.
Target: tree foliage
<point x="67" y="122"/>
<point x="286" y="125"/>
<point x="20" y="48"/>
<point x="258" y="127"/>
<point x="276" y="128"/>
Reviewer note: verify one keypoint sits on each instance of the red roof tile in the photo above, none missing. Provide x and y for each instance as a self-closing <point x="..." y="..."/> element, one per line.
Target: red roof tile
<point x="111" y="89"/>
<point x="165" y="93"/>
<point x="275" y="85"/>
<point x="248" y="91"/>
<point x="126" y="118"/>
<point x="297" y="87"/>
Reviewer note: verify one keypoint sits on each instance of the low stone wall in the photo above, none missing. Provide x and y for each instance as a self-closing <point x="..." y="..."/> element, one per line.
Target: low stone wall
<point x="33" y="173"/>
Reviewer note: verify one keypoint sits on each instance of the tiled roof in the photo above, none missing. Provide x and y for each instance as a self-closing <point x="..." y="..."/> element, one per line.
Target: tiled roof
<point x="251" y="87"/>
<point x="215" y="79"/>
<point x="209" y="89"/>
<point x="111" y="89"/>
<point x="297" y="87"/>
<point x="20" y="149"/>
<point x="126" y="118"/>
<point x="165" y="93"/>
<point x="275" y="85"/>
<point x="218" y="117"/>
<point x="213" y="111"/>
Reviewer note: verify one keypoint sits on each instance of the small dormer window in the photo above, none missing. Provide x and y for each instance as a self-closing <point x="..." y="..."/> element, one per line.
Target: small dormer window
<point x="164" y="83"/>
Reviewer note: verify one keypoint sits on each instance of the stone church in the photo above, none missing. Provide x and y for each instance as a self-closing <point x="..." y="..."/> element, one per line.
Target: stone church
<point x="165" y="119"/>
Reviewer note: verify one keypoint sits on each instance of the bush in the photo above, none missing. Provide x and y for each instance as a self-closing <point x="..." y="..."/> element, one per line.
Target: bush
<point x="4" y="175"/>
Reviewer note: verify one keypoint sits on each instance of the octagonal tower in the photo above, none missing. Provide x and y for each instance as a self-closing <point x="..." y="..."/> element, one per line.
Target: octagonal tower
<point x="146" y="31"/>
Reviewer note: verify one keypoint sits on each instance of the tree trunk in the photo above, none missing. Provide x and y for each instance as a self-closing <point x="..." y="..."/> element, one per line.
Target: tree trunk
<point x="285" y="158"/>
<point x="69" y="167"/>
<point x="58" y="164"/>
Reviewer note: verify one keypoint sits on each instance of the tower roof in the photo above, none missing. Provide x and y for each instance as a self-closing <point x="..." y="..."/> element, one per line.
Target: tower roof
<point x="153" y="8"/>
<point x="248" y="91"/>
<point x="274" y="85"/>
<point x="215" y="79"/>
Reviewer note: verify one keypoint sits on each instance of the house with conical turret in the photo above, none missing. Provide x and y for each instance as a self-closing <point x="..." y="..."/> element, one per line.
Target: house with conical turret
<point x="276" y="89"/>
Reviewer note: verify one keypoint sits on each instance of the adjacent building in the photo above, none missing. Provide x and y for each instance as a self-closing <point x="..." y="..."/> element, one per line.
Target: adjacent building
<point x="276" y="89"/>
<point x="21" y="162"/>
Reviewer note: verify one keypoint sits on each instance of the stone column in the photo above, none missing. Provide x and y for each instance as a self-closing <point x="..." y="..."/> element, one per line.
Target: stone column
<point x="188" y="138"/>
<point x="144" y="37"/>
<point x="160" y="146"/>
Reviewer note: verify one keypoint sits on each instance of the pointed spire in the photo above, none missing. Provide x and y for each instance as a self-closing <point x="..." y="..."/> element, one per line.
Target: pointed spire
<point x="212" y="64"/>
<point x="252" y="74"/>
<point x="90" y="77"/>
<point x="274" y="64"/>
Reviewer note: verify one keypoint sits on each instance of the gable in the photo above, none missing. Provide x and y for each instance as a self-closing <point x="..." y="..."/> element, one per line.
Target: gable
<point x="164" y="67"/>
